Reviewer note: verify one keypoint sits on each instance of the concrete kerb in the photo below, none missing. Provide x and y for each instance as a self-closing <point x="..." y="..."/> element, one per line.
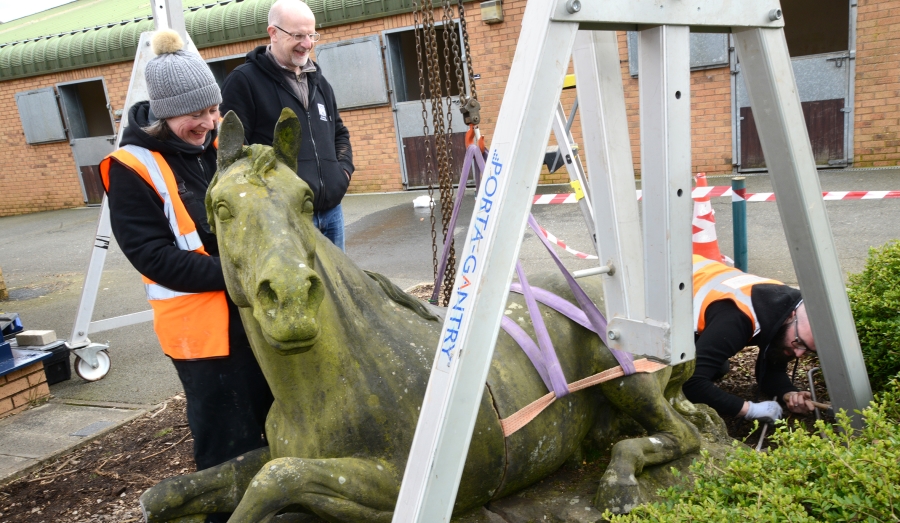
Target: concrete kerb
<point x="32" y="465"/>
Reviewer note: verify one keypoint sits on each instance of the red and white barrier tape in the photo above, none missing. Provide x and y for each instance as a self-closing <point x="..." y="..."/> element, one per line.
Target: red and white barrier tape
<point x="723" y="190"/>
<point x="560" y="243"/>
<point x="711" y="192"/>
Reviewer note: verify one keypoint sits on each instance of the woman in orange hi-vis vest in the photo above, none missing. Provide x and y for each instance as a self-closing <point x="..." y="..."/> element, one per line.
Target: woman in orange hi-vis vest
<point x="733" y="309"/>
<point x="156" y="183"/>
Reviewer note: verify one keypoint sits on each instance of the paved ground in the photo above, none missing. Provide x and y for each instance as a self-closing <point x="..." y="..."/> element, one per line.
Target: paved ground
<point x="32" y="436"/>
<point x="44" y="256"/>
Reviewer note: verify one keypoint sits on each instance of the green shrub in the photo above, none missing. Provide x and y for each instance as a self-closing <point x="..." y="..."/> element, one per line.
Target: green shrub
<point x="875" y="300"/>
<point x="835" y="474"/>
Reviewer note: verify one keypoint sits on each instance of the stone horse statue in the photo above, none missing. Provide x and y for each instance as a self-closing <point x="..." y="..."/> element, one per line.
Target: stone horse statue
<point x="348" y="355"/>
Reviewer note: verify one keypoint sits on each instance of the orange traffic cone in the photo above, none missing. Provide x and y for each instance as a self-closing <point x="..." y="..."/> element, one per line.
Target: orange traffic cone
<point x="704" y="224"/>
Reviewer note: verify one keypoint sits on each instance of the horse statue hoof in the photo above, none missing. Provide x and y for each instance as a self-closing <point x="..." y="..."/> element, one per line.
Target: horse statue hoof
<point x="618" y="496"/>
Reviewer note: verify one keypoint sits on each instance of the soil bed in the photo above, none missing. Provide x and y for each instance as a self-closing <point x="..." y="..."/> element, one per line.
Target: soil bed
<point x="740" y="381"/>
<point x="102" y="481"/>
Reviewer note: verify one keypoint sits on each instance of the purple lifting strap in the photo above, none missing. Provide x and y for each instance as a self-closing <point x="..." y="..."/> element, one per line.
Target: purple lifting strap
<point x="528" y="346"/>
<point x="563" y="307"/>
<point x="554" y="371"/>
<point x="473" y="152"/>
<point x="625" y="359"/>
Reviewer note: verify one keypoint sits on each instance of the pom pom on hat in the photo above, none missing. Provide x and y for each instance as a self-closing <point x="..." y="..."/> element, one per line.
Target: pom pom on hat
<point x="178" y="82"/>
<point x="166" y="42"/>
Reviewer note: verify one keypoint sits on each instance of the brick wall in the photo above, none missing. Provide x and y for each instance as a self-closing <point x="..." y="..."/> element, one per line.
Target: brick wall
<point x="877" y="107"/>
<point x="711" y="121"/>
<point x="372" y="130"/>
<point x="710" y="116"/>
<point x="20" y="388"/>
<point x="45" y="177"/>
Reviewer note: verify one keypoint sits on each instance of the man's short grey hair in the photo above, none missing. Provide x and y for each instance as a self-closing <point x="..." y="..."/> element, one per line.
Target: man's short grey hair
<point x="279" y="6"/>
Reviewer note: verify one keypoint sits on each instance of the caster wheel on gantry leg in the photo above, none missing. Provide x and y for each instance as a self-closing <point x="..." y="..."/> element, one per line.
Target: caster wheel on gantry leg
<point x="88" y="373"/>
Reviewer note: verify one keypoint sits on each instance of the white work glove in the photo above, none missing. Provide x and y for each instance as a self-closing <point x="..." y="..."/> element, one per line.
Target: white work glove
<point x="765" y="411"/>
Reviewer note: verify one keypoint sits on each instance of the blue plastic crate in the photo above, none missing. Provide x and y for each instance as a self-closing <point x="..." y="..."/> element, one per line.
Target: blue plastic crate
<point x="10" y="324"/>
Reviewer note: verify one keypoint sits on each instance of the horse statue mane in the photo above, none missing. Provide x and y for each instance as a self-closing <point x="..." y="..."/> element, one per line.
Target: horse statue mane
<point x="348" y="356"/>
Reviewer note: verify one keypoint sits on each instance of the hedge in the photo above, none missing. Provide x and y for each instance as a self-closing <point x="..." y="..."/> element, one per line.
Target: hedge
<point x="875" y="300"/>
<point x="835" y="474"/>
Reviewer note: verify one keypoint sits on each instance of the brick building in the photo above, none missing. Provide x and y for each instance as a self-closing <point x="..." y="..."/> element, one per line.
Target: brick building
<point x="72" y="65"/>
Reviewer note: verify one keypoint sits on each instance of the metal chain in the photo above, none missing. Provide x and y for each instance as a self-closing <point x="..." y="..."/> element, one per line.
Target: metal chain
<point x="432" y="67"/>
<point x="418" y="9"/>
<point x="457" y="61"/>
<point x="442" y="122"/>
<point x="465" y="32"/>
<point x="447" y="196"/>
<point x="440" y="131"/>
<point x="469" y="105"/>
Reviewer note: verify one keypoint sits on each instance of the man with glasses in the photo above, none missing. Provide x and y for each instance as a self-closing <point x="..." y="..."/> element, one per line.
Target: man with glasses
<point x="733" y="309"/>
<point x="281" y="75"/>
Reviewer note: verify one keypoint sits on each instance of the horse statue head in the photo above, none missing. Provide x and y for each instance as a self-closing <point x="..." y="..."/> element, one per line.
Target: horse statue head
<point x="246" y="201"/>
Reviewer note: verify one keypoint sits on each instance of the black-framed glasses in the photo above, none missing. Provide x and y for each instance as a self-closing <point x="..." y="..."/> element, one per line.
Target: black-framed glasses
<point x="314" y="37"/>
<point x="797" y="341"/>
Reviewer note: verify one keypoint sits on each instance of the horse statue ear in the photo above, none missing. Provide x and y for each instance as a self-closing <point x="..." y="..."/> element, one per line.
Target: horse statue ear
<point x="231" y="140"/>
<point x="286" y="141"/>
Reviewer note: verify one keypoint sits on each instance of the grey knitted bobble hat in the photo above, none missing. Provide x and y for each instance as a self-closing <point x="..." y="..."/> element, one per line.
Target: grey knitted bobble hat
<point x="179" y="82"/>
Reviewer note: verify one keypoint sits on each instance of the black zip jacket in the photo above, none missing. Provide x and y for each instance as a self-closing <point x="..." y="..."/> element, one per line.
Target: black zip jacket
<point x="727" y="332"/>
<point x="257" y="93"/>
<point x="140" y="225"/>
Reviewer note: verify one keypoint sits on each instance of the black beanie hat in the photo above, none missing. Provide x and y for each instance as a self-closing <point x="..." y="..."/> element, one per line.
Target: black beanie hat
<point x="773" y="304"/>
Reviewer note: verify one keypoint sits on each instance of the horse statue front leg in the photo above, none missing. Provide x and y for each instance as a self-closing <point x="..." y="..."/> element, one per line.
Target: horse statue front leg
<point x="702" y="416"/>
<point x="189" y="498"/>
<point x="340" y="489"/>
<point x="641" y="396"/>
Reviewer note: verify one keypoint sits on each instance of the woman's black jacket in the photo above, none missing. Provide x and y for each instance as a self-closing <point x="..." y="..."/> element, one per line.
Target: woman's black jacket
<point x="140" y="225"/>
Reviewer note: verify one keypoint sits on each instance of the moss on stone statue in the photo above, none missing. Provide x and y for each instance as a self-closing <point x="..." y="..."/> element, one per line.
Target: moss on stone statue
<point x="348" y="357"/>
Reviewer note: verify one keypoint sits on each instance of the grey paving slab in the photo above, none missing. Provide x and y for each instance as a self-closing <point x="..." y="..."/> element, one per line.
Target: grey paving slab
<point x="386" y="234"/>
<point x="41" y="433"/>
<point x="12" y="466"/>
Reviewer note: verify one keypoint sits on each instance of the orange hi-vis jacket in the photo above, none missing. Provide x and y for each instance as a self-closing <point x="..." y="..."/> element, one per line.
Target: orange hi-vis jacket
<point x="715" y="281"/>
<point x="189" y="325"/>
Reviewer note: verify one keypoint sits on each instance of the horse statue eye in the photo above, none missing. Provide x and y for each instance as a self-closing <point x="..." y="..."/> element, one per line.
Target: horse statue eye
<point x="308" y="207"/>
<point x="223" y="213"/>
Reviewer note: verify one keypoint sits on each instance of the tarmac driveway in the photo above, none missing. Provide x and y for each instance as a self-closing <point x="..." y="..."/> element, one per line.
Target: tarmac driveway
<point x="44" y="256"/>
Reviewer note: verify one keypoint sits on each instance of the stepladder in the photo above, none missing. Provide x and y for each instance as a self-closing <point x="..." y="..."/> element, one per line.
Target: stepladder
<point x="92" y="361"/>
<point x="567" y="155"/>
<point x="646" y="251"/>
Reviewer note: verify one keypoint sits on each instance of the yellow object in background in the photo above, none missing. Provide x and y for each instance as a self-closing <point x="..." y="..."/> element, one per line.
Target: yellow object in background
<point x="579" y="192"/>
